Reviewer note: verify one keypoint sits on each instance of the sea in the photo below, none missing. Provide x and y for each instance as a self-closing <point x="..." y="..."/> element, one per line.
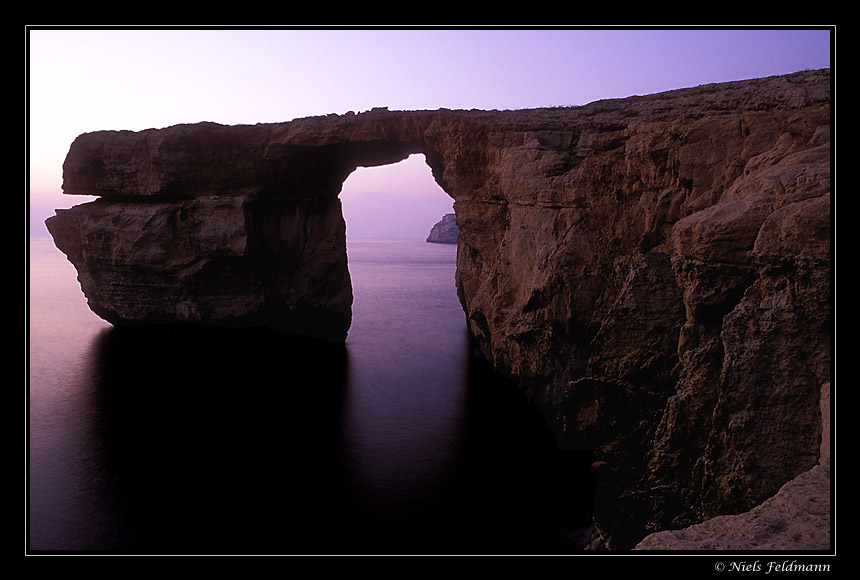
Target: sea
<point x="204" y="441"/>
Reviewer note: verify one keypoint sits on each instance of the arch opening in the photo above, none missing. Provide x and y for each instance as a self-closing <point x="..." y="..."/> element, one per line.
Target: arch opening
<point x="428" y="429"/>
<point x="397" y="200"/>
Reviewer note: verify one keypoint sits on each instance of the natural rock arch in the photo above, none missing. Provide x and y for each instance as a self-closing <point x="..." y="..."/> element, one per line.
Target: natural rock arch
<point x="235" y="226"/>
<point x="655" y="271"/>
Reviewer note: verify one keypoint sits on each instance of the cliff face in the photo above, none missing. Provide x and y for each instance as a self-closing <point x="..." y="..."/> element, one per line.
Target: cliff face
<point x="655" y="271"/>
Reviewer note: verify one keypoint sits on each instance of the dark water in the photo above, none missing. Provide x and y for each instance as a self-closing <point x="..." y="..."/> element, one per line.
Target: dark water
<point x="246" y="443"/>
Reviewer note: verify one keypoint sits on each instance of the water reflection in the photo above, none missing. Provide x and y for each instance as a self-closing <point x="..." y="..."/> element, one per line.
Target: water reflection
<point x="214" y="442"/>
<point x="150" y="440"/>
<point x="234" y="443"/>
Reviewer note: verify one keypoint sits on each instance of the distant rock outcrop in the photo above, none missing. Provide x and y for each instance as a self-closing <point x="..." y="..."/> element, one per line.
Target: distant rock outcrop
<point x="655" y="271"/>
<point x="445" y="231"/>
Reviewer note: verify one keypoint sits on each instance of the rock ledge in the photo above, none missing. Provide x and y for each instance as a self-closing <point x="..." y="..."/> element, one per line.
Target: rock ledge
<point x="796" y="518"/>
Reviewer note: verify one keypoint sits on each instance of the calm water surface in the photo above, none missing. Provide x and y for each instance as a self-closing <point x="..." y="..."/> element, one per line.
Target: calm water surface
<point x="223" y="442"/>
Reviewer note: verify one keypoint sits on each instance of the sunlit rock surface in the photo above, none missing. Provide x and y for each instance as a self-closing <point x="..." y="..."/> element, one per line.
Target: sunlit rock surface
<point x="655" y="271"/>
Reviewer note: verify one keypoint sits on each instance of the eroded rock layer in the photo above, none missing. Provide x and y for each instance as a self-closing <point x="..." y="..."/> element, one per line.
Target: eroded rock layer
<point x="655" y="271"/>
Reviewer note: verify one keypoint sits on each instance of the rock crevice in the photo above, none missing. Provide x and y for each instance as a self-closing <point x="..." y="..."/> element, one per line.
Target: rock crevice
<point x="655" y="271"/>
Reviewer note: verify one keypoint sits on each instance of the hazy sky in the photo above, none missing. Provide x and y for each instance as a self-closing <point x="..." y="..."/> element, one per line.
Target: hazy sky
<point x="83" y="80"/>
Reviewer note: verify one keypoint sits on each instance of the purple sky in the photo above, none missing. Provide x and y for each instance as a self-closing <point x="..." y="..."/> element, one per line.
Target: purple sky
<point x="89" y="80"/>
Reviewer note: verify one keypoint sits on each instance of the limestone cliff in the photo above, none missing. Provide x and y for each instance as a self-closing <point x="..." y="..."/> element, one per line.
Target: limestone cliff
<point x="797" y="518"/>
<point x="655" y="271"/>
<point x="445" y="231"/>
